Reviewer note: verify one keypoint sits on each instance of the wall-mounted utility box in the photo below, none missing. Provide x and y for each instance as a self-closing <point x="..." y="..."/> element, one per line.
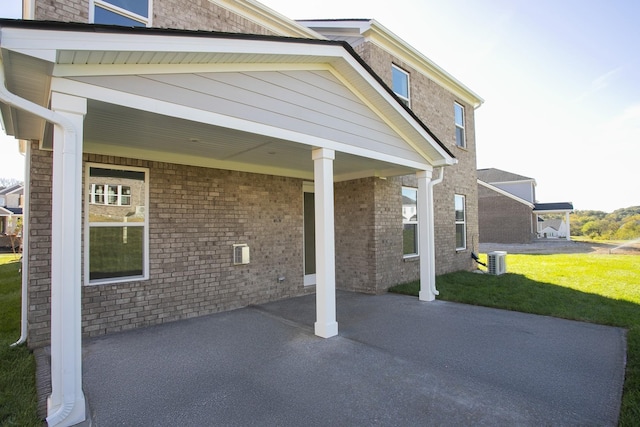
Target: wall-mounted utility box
<point x="240" y="254"/>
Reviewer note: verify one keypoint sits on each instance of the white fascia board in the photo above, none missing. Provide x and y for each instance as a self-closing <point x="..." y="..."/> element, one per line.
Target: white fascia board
<point x="48" y="41"/>
<point x="505" y="193"/>
<point x="188" y="113"/>
<point x="268" y="18"/>
<point x="387" y="40"/>
<point x="5" y="212"/>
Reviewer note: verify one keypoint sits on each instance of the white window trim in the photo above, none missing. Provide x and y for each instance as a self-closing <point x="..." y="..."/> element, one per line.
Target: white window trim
<point x="87" y="225"/>
<point x="463" y="221"/>
<point x="417" y="253"/>
<point x="120" y="11"/>
<point x="460" y="126"/>
<point x="408" y="98"/>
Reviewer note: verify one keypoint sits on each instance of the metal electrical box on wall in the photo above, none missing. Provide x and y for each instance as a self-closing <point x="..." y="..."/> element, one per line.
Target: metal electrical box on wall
<point x="240" y="254"/>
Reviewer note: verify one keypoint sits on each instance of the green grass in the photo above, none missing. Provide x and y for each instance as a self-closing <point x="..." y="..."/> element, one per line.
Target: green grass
<point x="603" y="289"/>
<point x="18" y="400"/>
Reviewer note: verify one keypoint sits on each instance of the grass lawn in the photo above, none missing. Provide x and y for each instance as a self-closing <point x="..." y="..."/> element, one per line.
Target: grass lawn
<point x="17" y="366"/>
<point x="603" y="289"/>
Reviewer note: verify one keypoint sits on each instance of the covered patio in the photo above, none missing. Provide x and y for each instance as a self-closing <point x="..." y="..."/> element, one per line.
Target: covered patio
<point x="394" y="363"/>
<point x="295" y="108"/>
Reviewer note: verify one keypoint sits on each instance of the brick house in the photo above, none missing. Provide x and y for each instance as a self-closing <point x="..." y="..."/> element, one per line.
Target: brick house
<point x="508" y="211"/>
<point x="160" y="146"/>
<point x="10" y="214"/>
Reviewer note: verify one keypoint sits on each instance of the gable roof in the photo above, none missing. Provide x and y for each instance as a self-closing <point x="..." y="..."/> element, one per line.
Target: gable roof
<point x="493" y="176"/>
<point x="12" y="189"/>
<point x="505" y="193"/>
<point x="557" y="206"/>
<point x="354" y="31"/>
<point x="34" y="51"/>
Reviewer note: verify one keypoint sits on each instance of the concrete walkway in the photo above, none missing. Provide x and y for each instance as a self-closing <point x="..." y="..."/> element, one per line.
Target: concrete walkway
<point x="397" y="361"/>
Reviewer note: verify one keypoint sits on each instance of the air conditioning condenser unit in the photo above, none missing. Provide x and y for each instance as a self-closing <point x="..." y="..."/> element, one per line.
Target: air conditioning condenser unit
<point x="497" y="262"/>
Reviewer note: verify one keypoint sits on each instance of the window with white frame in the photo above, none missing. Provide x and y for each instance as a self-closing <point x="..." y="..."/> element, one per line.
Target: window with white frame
<point x="128" y="13"/>
<point x="461" y="222"/>
<point x="459" y="120"/>
<point x="117" y="237"/>
<point x="409" y="221"/>
<point x="400" y="81"/>
<point x="110" y="194"/>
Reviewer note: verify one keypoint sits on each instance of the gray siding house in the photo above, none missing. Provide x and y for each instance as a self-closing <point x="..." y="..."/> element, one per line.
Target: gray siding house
<point x="191" y="157"/>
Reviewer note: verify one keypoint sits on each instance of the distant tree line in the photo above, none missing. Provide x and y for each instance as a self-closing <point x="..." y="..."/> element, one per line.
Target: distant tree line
<point x="621" y="224"/>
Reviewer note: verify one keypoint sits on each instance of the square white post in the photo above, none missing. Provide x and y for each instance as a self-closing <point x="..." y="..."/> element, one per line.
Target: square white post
<point x="426" y="244"/>
<point x="66" y="405"/>
<point x="326" y="325"/>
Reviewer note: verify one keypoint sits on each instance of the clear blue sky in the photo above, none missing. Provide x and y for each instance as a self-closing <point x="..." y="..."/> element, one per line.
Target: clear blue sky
<point x="560" y="79"/>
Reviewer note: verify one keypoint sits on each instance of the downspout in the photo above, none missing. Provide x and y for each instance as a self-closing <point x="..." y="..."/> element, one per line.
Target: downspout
<point x="25" y="249"/>
<point x="70" y="134"/>
<point x="432" y="249"/>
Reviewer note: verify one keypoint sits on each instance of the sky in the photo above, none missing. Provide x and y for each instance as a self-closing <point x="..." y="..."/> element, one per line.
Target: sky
<point x="560" y="80"/>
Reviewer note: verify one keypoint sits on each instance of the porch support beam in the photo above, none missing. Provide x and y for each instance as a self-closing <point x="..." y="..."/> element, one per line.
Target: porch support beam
<point x="66" y="405"/>
<point x="566" y="220"/>
<point x="426" y="242"/>
<point x="326" y="325"/>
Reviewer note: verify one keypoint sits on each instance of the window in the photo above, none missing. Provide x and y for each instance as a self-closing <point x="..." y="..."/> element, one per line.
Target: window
<point x="128" y="13"/>
<point x="459" y="119"/>
<point x="400" y="79"/>
<point x="461" y="223"/>
<point x="118" y="195"/>
<point x="117" y="224"/>
<point x="410" y="221"/>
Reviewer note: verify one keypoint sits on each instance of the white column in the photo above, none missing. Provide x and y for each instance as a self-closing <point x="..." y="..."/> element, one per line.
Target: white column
<point x="568" y="226"/>
<point x="326" y="325"/>
<point x="66" y="405"/>
<point x="426" y="242"/>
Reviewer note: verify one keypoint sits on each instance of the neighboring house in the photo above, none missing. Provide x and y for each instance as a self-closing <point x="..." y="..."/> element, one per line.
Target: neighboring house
<point x="552" y="228"/>
<point x="10" y="215"/>
<point x="508" y="211"/>
<point x="177" y="171"/>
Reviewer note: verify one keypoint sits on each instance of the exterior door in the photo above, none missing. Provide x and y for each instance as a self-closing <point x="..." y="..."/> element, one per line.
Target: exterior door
<point x="309" y="235"/>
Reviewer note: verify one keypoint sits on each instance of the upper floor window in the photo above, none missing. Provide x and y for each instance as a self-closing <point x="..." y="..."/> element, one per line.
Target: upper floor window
<point x="129" y="13"/>
<point x="400" y="79"/>
<point x="461" y="222"/>
<point x="459" y="119"/>
<point x="410" y="221"/>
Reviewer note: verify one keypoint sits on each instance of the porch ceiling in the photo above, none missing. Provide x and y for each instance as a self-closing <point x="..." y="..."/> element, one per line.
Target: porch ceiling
<point x="119" y="131"/>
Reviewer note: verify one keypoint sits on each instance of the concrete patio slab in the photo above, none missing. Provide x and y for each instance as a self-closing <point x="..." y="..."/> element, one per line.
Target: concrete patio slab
<point x="397" y="361"/>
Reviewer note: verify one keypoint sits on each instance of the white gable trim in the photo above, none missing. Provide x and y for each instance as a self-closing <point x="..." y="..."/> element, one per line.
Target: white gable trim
<point x="505" y="193"/>
<point x="188" y="113"/>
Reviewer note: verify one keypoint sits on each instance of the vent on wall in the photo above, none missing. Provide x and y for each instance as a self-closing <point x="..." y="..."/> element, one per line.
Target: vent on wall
<point x="240" y="254"/>
<point x="497" y="262"/>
